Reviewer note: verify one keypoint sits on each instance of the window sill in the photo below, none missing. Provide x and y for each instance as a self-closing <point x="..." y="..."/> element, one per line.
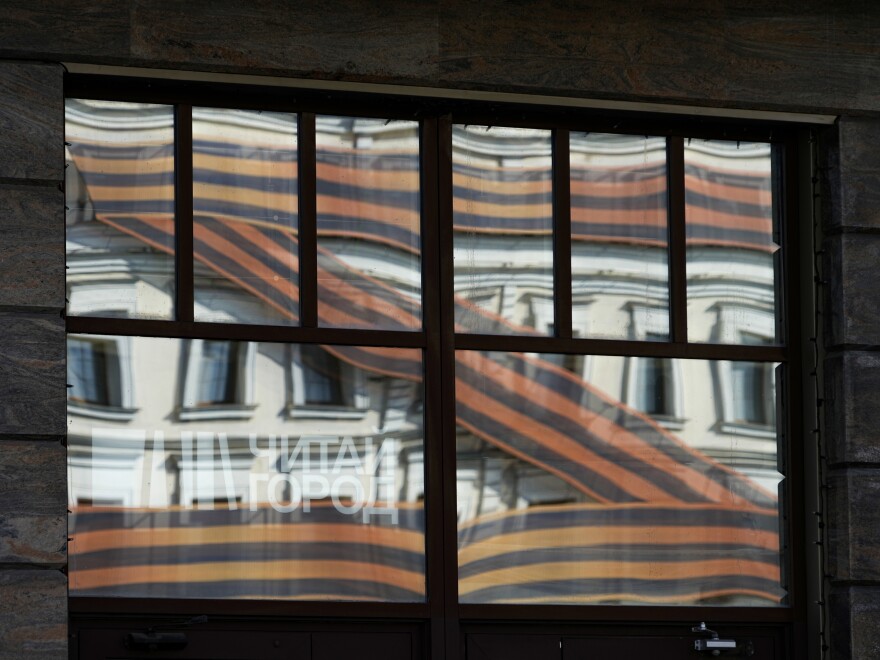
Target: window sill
<point x="670" y="423"/>
<point x="235" y="411"/>
<point x="326" y="412"/>
<point x="748" y="430"/>
<point x="110" y="413"/>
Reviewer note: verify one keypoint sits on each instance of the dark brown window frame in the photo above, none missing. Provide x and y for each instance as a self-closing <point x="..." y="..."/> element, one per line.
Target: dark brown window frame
<point x="438" y="340"/>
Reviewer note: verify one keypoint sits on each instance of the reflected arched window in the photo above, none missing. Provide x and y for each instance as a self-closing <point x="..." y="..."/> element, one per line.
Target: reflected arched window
<point x="219" y="373"/>
<point x="322" y="376"/>
<point x="218" y="380"/>
<point x="92" y="371"/>
<point x="754" y="400"/>
<point x="653" y="393"/>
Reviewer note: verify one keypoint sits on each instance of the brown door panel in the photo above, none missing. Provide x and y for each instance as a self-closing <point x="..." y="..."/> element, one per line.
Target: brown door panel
<point x="110" y="644"/>
<point x="513" y="647"/>
<point x="362" y="646"/>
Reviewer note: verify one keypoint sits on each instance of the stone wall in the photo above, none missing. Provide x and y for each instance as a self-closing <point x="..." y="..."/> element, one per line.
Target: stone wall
<point x="852" y="366"/>
<point x="799" y="55"/>
<point x="33" y="492"/>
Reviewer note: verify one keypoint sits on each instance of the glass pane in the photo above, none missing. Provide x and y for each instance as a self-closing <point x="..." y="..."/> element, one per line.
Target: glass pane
<point x="245" y="216"/>
<point x="369" y="245"/>
<point x="619" y="264"/>
<point x="503" y="222"/>
<point x="245" y="470"/>
<point x="568" y="493"/>
<point x="119" y="195"/>
<point x="732" y="248"/>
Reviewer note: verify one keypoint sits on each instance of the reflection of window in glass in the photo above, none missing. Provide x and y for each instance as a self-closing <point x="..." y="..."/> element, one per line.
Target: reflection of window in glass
<point x="321" y="373"/>
<point x="323" y="385"/>
<point x="503" y="227"/>
<point x="748" y="398"/>
<point x="753" y="396"/>
<point x="218" y="380"/>
<point x="653" y="384"/>
<point x="90" y="365"/>
<point x="618" y="227"/>
<point x="748" y="389"/>
<point x="733" y="254"/>
<point x="99" y="377"/>
<point x="563" y="461"/>
<point x="368" y="187"/>
<point x="575" y="364"/>
<point x="123" y="157"/>
<point x="218" y="376"/>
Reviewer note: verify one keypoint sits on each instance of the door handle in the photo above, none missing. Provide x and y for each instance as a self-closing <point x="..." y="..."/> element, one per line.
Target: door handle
<point x="157" y="638"/>
<point x="155" y="641"/>
<point x="714" y="645"/>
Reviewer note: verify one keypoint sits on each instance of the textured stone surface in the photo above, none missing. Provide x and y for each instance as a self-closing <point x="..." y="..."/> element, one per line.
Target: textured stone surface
<point x="853" y="525"/>
<point x="31" y="120"/>
<point x="33" y="540"/>
<point x="804" y="55"/>
<point x="74" y="29"/>
<point x="33" y="502"/>
<point x="854" y="613"/>
<point x="853" y="173"/>
<point x="33" y="477"/>
<point x="852" y="294"/>
<point x="797" y="54"/>
<point x="852" y="388"/>
<point x="379" y="40"/>
<point x="33" y="615"/>
<point x="32" y="374"/>
<point x="31" y="246"/>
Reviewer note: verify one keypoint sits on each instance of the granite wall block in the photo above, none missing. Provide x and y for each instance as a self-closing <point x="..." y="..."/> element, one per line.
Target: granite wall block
<point x="852" y="173"/>
<point x="31" y="120"/>
<point x="797" y="55"/>
<point x="33" y="502"/>
<point x="852" y="416"/>
<point x="32" y="246"/>
<point x="33" y="615"/>
<point x="383" y="40"/>
<point x="84" y="30"/>
<point x="853" y="525"/>
<point x="852" y="294"/>
<point x="807" y="55"/>
<point x="32" y="374"/>
<point x="853" y="615"/>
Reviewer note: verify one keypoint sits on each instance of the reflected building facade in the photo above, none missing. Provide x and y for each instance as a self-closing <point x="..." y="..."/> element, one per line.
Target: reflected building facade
<point x="212" y="468"/>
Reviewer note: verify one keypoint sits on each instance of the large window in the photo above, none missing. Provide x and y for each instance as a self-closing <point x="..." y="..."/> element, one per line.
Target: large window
<point x="425" y="353"/>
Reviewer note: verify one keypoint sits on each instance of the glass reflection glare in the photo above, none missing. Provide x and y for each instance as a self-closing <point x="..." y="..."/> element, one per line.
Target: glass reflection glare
<point x="119" y="193"/>
<point x="503" y="222"/>
<point x="619" y="262"/>
<point x="245" y="470"/>
<point x="566" y="494"/>
<point x="369" y="218"/>
<point x="732" y="250"/>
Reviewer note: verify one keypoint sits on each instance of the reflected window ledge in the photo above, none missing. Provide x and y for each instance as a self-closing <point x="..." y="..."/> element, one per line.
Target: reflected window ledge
<point x="326" y="412"/>
<point x="670" y="422"/>
<point x="748" y="430"/>
<point x="110" y="413"/>
<point x="216" y="412"/>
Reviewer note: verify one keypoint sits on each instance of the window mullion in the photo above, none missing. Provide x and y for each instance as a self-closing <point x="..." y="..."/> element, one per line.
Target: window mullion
<point x="677" y="249"/>
<point x="183" y="207"/>
<point x="441" y="396"/>
<point x="562" y="234"/>
<point x="308" y="221"/>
